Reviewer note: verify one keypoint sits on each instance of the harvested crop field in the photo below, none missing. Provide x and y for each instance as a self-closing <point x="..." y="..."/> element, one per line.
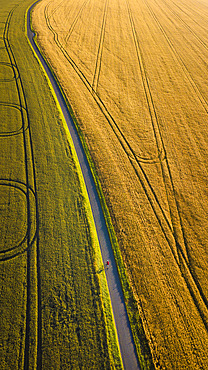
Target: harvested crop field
<point x="55" y="310"/>
<point x="134" y="73"/>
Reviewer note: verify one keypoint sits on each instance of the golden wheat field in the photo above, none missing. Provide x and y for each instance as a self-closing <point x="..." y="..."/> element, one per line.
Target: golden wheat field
<point x="135" y="75"/>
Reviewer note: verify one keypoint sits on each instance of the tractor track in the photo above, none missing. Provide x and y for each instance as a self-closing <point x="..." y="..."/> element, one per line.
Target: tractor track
<point x="184" y="261"/>
<point x="100" y="50"/>
<point x="169" y="231"/>
<point x="71" y="29"/>
<point x="56" y="8"/>
<point x="133" y="158"/>
<point x="185" y="24"/>
<point x="32" y="346"/>
<point x="200" y="95"/>
<point x="176" y="224"/>
<point x="171" y="226"/>
<point x="18" y="249"/>
<point x="22" y="127"/>
<point x="179" y="59"/>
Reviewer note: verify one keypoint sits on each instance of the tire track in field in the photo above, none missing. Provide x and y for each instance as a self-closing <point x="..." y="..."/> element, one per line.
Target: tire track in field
<point x="133" y="158"/>
<point x="19" y="248"/>
<point x="70" y="60"/>
<point x="100" y="50"/>
<point x="173" y="231"/>
<point x="87" y="84"/>
<point x="56" y="8"/>
<point x="71" y="29"/>
<point x="170" y="231"/>
<point x="11" y="78"/>
<point x="199" y="94"/>
<point x="186" y="13"/>
<point x="18" y="131"/>
<point x="185" y="24"/>
<point x="167" y="178"/>
<point x="32" y="350"/>
<point x="187" y="74"/>
<point x="184" y="262"/>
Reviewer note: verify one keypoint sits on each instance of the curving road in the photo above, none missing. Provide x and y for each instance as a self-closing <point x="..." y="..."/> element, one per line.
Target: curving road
<point x="126" y="343"/>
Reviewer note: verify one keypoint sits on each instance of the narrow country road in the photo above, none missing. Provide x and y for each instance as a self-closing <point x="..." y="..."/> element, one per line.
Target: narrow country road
<point x="127" y="347"/>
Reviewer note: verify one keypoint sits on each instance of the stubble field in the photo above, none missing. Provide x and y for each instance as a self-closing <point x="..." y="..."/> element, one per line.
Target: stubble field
<point x="134" y="73"/>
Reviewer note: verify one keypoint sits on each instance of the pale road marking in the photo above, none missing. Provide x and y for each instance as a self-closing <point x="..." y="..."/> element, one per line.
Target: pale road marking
<point x="126" y="342"/>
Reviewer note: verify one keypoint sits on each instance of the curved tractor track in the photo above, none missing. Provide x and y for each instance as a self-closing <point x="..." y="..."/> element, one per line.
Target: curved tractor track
<point x="169" y="221"/>
<point x="127" y="347"/>
<point x="24" y="187"/>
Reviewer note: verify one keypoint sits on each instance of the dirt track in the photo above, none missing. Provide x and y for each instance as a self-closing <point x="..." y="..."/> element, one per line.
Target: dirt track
<point x="127" y="347"/>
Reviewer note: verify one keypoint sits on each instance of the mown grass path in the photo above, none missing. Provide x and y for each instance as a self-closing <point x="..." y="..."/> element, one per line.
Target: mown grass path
<point x="126" y="342"/>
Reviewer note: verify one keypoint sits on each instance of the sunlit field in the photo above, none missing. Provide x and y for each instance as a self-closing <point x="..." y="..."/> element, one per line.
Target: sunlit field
<point x="135" y="75"/>
<point x="55" y="310"/>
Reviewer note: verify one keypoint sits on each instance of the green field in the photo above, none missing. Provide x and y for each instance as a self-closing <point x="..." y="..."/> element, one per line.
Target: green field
<point x="55" y="309"/>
